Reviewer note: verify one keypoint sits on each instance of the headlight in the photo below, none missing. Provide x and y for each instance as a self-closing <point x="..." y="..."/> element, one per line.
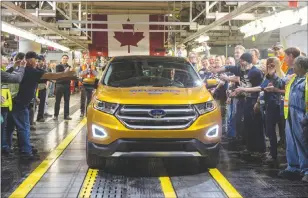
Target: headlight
<point x="205" y="107"/>
<point x="105" y="106"/>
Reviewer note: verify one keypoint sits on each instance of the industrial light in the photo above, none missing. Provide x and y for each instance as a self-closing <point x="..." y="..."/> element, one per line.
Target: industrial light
<point x="276" y="21"/>
<point x="202" y="38"/>
<point x="27" y="35"/>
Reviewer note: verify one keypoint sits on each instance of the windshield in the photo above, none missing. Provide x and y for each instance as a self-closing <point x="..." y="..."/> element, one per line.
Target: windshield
<point x="151" y="73"/>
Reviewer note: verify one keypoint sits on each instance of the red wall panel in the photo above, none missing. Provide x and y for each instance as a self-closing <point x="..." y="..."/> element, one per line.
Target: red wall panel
<point x="99" y="44"/>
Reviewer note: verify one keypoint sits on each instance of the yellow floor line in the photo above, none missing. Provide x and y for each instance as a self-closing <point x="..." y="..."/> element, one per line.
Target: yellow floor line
<point x="224" y="184"/>
<point x="167" y="187"/>
<point x="27" y="185"/>
<point x="88" y="184"/>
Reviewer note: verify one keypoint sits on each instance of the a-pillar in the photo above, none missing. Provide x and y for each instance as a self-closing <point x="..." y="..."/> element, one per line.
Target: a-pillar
<point x="26" y="45"/>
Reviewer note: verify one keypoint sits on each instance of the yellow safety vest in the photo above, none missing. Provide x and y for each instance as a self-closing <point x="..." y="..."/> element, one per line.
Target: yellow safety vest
<point x="287" y="95"/>
<point x="6" y="97"/>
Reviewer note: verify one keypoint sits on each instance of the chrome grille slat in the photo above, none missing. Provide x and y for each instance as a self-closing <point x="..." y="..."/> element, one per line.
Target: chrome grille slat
<point x="138" y="116"/>
<point x="166" y="110"/>
<point x="156" y="119"/>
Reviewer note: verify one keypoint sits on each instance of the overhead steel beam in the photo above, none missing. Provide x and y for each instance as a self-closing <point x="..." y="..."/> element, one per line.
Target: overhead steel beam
<point x="38" y="21"/>
<point x="243" y="17"/>
<point x="120" y="30"/>
<point x="128" y="11"/>
<point x="126" y="22"/>
<point x="61" y="38"/>
<point x="41" y="13"/>
<point x="246" y="7"/>
<point x="33" y="25"/>
<point x="219" y="28"/>
<point x="204" y="10"/>
<point x="155" y="4"/>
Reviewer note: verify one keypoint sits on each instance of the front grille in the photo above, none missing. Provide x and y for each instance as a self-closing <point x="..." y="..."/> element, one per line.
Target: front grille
<point x="139" y="117"/>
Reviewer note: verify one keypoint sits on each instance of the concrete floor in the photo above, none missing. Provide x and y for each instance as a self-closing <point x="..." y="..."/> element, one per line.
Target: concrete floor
<point x="136" y="177"/>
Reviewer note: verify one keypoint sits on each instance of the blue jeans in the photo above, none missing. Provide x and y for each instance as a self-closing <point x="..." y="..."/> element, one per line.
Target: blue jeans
<point x="21" y="118"/>
<point x="4" y="145"/>
<point x="230" y="119"/>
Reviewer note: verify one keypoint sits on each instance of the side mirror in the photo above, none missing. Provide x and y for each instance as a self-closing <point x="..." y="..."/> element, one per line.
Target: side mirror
<point x="96" y="83"/>
<point x="91" y="83"/>
<point x="211" y="83"/>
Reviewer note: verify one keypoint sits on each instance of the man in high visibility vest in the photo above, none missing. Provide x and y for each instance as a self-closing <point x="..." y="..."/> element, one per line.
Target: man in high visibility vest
<point x="279" y="53"/>
<point x="6" y="100"/>
<point x="295" y="112"/>
<point x="88" y="74"/>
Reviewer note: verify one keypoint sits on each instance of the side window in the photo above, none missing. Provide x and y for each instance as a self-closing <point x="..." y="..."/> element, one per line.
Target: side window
<point x="108" y="74"/>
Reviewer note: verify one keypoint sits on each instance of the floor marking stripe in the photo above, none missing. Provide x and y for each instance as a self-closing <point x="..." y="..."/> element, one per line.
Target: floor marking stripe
<point x="27" y="185"/>
<point x="167" y="187"/>
<point x="224" y="184"/>
<point x="88" y="184"/>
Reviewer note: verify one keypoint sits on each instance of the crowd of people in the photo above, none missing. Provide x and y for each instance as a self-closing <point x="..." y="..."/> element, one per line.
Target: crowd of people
<point x="257" y="95"/>
<point x="254" y="96"/>
<point x="27" y="81"/>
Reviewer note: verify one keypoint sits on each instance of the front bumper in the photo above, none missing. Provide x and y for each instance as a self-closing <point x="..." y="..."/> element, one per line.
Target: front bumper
<point x="153" y="148"/>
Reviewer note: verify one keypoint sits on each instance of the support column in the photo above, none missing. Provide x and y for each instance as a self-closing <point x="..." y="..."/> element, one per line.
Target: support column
<point x="26" y="45"/>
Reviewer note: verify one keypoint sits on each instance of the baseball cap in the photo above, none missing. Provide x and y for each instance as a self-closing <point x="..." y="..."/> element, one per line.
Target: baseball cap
<point x="246" y="57"/>
<point x="277" y="46"/>
<point x="31" y="55"/>
<point x="41" y="57"/>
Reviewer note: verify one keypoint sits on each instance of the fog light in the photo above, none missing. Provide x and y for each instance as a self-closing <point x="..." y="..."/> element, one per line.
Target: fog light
<point x="98" y="132"/>
<point x="212" y="132"/>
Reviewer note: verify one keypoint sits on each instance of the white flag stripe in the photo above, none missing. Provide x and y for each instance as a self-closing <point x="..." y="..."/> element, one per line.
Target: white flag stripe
<point x="128" y="43"/>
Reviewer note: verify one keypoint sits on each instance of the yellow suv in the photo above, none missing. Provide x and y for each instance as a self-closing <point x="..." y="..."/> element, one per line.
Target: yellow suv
<point x="152" y="106"/>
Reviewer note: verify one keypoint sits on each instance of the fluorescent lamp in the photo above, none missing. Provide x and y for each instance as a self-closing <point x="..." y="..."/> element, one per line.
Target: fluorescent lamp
<point x="202" y="38"/>
<point x="276" y="21"/>
<point x="303" y="15"/>
<point x="27" y="35"/>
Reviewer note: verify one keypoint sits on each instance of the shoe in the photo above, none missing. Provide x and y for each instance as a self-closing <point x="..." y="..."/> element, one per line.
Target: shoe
<point x="305" y="178"/>
<point x="40" y="120"/>
<point x="67" y="118"/>
<point x="285" y="174"/>
<point x="7" y="153"/>
<point x="269" y="160"/>
<point x="82" y="115"/>
<point x="245" y="152"/>
<point x="257" y="154"/>
<point x="29" y="156"/>
<point x="55" y="118"/>
<point x="47" y="115"/>
<point x="32" y="128"/>
<point x="34" y="150"/>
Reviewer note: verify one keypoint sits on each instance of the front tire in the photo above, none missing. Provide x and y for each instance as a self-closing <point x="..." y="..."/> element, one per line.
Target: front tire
<point x="95" y="161"/>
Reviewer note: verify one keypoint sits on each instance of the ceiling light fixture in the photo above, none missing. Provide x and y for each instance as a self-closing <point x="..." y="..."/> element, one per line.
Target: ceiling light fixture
<point x="275" y="21"/>
<point x="27" y="35"/>
<point x="202" y="38"/>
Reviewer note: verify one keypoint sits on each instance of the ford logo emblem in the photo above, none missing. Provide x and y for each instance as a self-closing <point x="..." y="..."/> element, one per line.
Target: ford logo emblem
<point x="157" y="113"/>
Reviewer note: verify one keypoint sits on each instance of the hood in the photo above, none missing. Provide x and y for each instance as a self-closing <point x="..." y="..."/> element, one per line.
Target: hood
<point x="153" y="95"/>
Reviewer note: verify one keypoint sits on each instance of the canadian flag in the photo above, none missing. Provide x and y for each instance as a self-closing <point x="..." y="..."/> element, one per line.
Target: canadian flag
<point x="128" y="38"/>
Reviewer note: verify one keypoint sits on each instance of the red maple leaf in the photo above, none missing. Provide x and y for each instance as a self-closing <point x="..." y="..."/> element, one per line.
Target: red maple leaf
<point x="128" y="38"/>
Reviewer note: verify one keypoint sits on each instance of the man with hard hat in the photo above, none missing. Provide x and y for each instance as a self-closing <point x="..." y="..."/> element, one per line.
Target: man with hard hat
<point x="87" y="74"/>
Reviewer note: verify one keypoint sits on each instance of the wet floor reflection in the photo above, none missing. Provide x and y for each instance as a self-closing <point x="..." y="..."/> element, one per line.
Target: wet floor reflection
<point x="45" y="138"/>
